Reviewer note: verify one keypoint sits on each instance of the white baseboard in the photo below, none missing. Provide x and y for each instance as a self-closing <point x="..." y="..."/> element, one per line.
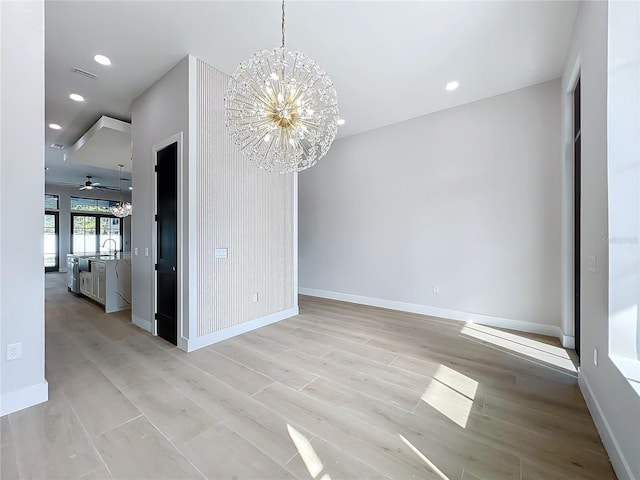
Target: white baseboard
<point x="24" y="398"/>
<point x="611" y="445"/>
<point x="142" y="323"/>
<point x="530" y="327"/>
<point x="211" y="338"/>
<point x="568" y="341"/>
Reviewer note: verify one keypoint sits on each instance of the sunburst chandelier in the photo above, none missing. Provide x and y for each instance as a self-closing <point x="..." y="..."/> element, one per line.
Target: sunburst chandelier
<point x="281" y="109"/>
<point x="121" y="209"/>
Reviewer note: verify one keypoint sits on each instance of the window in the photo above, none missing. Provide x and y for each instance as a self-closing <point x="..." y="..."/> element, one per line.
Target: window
<point x="95" y="234"/>
<point x="94" y="231"/>
<point x="51" y="260"/>
<point x="51" y="202"/>
<point x="79" y="204"/>
<point x="51" y="231"/>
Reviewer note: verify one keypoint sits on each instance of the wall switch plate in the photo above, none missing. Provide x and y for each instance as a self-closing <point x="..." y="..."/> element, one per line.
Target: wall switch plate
<point x="255" y="296"/>
<point x="146" y="252"/>
<point x="592" y="264"/>
<point x="14" y="351"/>
<point x="595" y="357"/>
<point x="221" y="253"/>
<point x="436" y="289"/>
<point x="135" y="251"/>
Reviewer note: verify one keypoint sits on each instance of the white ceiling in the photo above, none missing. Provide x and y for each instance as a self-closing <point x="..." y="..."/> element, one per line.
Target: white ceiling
<point x="106" y="143"/>
<point x="389" y="60"/>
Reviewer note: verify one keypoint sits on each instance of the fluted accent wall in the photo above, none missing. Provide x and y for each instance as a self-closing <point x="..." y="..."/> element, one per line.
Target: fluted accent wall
<point x="241" y="208"/>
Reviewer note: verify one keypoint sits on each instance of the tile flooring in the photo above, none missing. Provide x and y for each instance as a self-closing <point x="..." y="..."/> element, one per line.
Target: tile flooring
<point x="340" y="391"/>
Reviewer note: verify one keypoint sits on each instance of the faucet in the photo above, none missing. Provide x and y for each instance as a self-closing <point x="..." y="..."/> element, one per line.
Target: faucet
<point x="115" y="245"/>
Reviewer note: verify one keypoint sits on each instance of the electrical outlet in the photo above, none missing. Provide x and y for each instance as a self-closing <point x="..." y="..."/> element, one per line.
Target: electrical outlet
<point x="595" y="357"/>
<point x="14" y="351"/>
<point x="146" y="252"/>
<point x="436" y="289"/>
<point x="255" y="296"/>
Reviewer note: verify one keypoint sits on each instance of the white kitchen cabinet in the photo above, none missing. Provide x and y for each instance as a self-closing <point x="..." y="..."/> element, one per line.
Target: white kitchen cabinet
<point x="99" y="282"/>
<point x="86" y="284"/>
<point x="108" y="281"/>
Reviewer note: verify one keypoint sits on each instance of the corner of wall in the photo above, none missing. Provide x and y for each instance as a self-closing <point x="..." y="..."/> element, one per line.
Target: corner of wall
<point x="606" y="432"/>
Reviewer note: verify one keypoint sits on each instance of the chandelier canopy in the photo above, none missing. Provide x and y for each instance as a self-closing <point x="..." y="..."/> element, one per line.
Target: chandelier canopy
<point x="281" y="109"/>
<point x="121" y="209"/>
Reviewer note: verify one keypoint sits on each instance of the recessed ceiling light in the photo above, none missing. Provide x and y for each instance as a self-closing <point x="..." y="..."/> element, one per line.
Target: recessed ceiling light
<point x="54" y="126"/>
<point x="102" y="60"/>
<point x="76" y="98"/>
<point x="130" y="188"/>
<point x="451" y="86"/>
<point x="341" y="121"/>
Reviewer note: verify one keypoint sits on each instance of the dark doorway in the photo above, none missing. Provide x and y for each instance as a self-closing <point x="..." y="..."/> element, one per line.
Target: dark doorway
<point x="167" y="241"/>
<point x="577" y="187"/>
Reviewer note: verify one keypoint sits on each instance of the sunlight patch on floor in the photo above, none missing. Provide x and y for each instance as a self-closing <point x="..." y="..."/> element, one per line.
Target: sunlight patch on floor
<point x="307" y="453"/>
<point x="452" y="394"/>
<point x="429" y="463"/>
<point x="523" y="347"/>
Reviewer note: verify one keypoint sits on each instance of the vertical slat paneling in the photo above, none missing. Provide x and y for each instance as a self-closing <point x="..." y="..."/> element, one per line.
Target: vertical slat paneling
<point x="241" y="208"/>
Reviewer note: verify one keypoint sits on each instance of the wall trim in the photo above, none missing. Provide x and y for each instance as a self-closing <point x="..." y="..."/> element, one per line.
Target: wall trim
<point x="530" y="327"/>
<point x="568" y="341"/>
<point x="211" y="338"/>
<point x="611" y="445"/>
<point x="142" y="323"/>
<point x="24" y="398"/>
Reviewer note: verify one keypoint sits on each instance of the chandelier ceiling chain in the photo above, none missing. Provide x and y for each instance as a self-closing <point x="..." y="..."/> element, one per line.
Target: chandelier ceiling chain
<point x="281" y="109"/>
<point x="282" y="23"/>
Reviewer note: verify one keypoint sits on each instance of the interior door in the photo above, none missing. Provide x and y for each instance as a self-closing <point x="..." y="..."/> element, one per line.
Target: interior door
<point x="51" y="236"/>
<point x="166" y="248"/>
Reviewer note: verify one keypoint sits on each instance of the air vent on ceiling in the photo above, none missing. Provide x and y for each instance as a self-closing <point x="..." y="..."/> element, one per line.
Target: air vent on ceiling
<point x="57" y="145"/>
<point x="84" y="73"/>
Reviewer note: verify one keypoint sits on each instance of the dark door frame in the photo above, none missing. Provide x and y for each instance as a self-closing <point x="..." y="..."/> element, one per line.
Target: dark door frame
<point x="577" y="193"/>
<point x="178" y="139"/>
<point x="56" y="215"/>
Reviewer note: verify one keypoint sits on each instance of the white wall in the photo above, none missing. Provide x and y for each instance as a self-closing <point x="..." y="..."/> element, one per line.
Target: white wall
<point x="623" y="145"/>
<point x="226" y="203"/>
<point x="64" y="198"/>
<point x="466" y="198"/>
<point x="22" y="381"/>
<point x="613" y="403"/>
<point x="160" y="112"/>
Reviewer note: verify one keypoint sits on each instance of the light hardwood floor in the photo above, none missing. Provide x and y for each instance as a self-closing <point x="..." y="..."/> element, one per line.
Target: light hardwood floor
<point x="340" y="391"/>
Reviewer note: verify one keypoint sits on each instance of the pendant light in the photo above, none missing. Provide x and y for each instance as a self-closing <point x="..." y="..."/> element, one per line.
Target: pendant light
<point x="281" y="109"/>
<point x="121" y="209"/>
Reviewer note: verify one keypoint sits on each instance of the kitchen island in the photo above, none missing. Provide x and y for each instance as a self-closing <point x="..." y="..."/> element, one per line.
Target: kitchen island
<point x="105" y="279"/>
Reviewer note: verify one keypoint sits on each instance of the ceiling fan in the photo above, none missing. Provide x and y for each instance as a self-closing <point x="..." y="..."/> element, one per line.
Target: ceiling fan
<point x="91" y="185"/>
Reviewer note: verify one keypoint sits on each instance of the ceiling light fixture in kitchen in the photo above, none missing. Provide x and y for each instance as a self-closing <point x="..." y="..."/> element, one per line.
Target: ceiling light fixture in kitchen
<point x="102" y="59"/>
<point x="121" y="209"/>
